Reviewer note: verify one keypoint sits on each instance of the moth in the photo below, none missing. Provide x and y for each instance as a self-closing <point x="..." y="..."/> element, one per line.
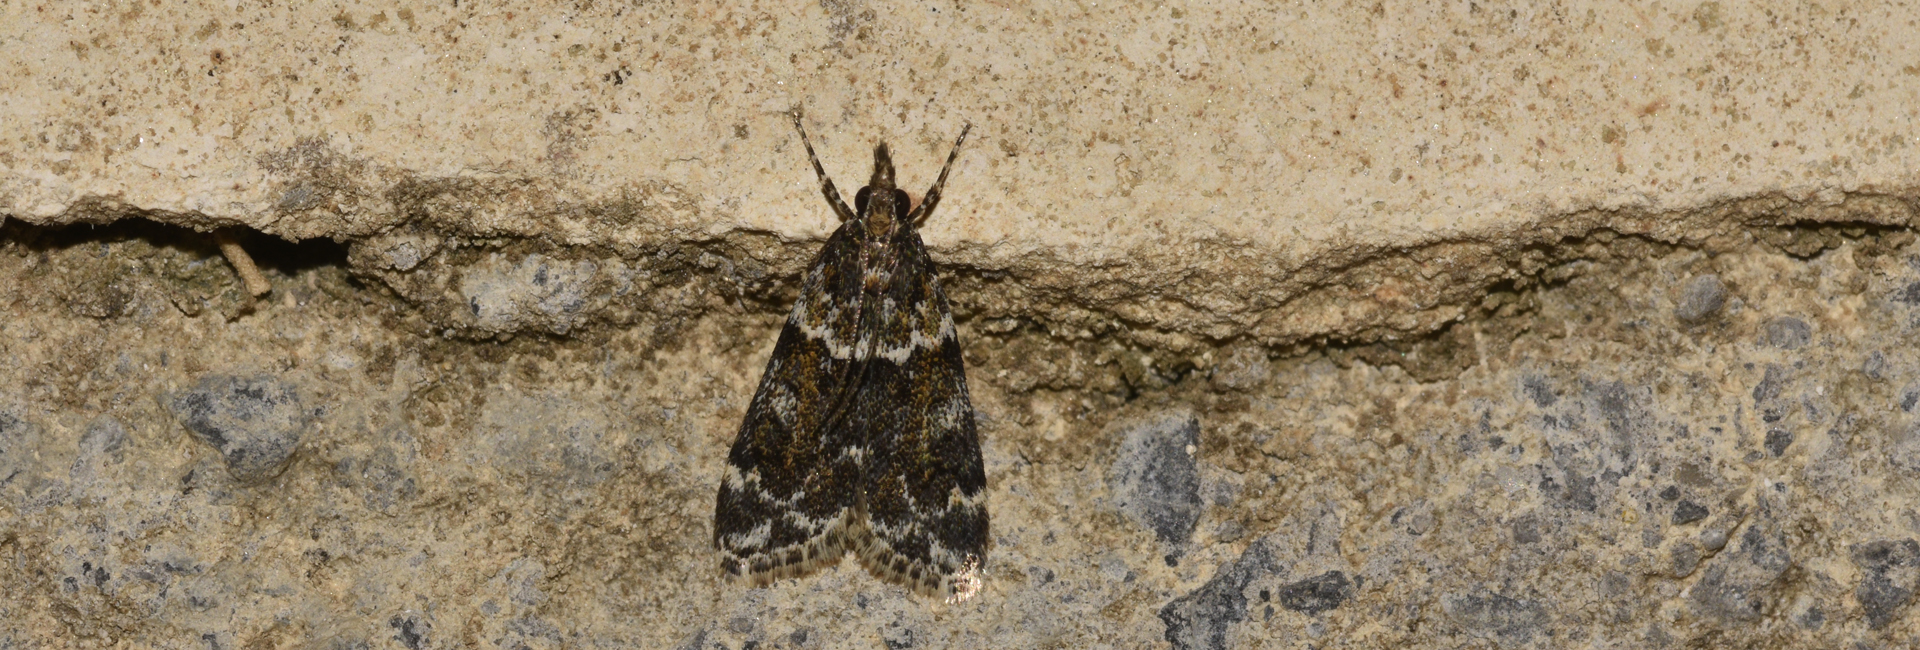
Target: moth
<point x="861" y="437"/>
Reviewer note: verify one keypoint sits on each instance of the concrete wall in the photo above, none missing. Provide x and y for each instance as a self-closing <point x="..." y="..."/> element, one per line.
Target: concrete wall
<point x="1429" y="284"/>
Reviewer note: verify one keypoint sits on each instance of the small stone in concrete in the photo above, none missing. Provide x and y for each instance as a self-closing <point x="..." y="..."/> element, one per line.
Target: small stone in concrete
<point x="1688" y="512"/>
<point x="1702" y="298"/>
<point x="1789" y="333"/>
<point x="1739" y="586"/>
<point x="1727" y="597"/>
<point x="898" y="638"/>
<point x="1909" y="294"/>
<point x="1200" y="619"/>
<point x="255" y="423"/>
<point x="1317" y="594"/>
<point x="1777" y="441"/>
<point x="1577" y="493"/>
<point x="1156" y="480"/>
<point x="1890" y="572"/>
<point x="1510" y="622"/>
<point x="1686" y="558"/>
<point x="1770" y="385"/>
<point x="1875" y="365"/>
<point x="537" y="292"/>
<point x="696" y="641"/>
<point x="1038" y="576"/>
<point x="410" y="631"/>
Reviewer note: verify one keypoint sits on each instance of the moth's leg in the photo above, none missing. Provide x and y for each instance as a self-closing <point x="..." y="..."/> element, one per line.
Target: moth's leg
<point x="826" y="184"/>
<point x="925" y="209"/>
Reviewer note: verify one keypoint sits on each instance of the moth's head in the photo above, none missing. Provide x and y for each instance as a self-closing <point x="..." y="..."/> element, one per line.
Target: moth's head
<point x="882" y="206"/>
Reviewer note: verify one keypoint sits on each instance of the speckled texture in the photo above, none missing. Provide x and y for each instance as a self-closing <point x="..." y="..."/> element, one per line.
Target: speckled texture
<point x="1583" y="468"/>
<point x="1432" y="286"/>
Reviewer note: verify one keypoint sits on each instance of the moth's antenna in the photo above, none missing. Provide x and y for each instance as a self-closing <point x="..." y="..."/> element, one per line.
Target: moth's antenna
<point x="925" y="209"/>
<point x="826" y="184"/>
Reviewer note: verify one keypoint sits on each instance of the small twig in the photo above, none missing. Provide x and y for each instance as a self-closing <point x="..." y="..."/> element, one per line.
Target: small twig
<point x="257" y="284"/>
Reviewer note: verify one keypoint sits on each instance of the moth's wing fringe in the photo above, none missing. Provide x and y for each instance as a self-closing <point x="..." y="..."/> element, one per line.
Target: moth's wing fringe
<point x="924" y="579"/>
<point x="823" y="550"/>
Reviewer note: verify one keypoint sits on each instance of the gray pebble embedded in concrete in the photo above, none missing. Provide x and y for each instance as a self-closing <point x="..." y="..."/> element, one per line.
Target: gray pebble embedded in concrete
<point x="1778" y="440"/>
<point x="1200" y="619"/>
<point x="1909" y="294"/>
<point x="1789" y="333"/>
<point x="256" y="423"/>
<point x="1702" y="298"/>
<point x="1714" y="540"/>
<point x="1890" y="572"/>
<point x="1739" y="587"/>
<point x="1317" y="594"/>
<point x="1156" y="480"/>
<point x="1875" y="365"/>
<point x="1688" y="512"/>
<point x="1686" y="558"/>
<point x="1509" y="622"/>
<point x="410" y="631"/>
<point x="1771" y="384"/>
<point x="537" y="292"/>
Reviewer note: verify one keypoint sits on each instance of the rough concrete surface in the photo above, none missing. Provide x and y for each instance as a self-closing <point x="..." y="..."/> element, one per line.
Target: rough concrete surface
<point x="1367" y="325"/>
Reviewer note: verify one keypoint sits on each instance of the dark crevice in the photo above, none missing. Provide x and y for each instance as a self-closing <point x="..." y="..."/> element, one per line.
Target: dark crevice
<point x="292" y="257"/>
<point x="269" y="252"/>
<point x="116" y="269"/>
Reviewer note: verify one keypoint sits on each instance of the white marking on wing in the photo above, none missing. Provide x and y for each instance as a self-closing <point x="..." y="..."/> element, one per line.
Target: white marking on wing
<point x="824" y="333"/>
<point x="756" y="538"/>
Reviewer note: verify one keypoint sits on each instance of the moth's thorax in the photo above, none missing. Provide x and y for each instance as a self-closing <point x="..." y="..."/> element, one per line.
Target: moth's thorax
<point x="882" y="214"/>
<point x="881" y="204"/>
<point x="878" y="257"/>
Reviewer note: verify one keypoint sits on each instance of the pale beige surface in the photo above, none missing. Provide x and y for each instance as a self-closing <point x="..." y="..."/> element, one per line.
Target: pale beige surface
<point x="1173" y="170"/>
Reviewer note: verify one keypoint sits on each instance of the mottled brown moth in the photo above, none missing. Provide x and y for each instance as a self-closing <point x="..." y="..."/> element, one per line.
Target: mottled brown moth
<point x="861" y="436"/>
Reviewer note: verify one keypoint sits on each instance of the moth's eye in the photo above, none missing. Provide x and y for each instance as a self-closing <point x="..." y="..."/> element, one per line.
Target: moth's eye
<point x="860" y="200"/>
<point x="900" y="201"/>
